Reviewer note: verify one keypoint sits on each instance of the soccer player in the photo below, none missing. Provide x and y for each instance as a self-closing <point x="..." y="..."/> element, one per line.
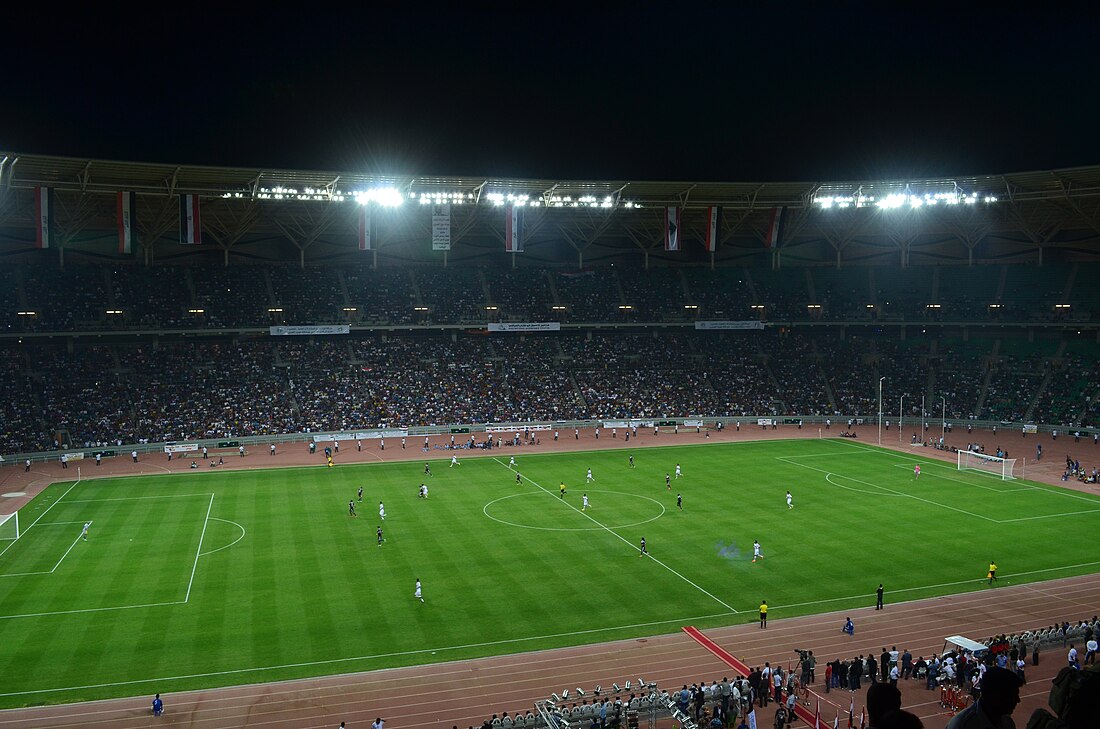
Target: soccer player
<point x="378" y="532"/>
<point x="642" y="549"/>
<point x="418" y="593"/>
<point x="158" y="705"/>
<point x="680" y="502"/>
<point x="584" y="500"/>
<point x="351" y="508"/>
<point x="519" y="478"/>
<point x="668" y="482"/>
<point x="992" y="571"/>
<point x="423" y="490"/>
<point x="756" y="551"/>
<point x="360" y="494"/>
<point x="454" y="461"/>
<point x="631" y="461"/>
<point x="589" y="477"/>
<point x="916" y="472"/>
<point x="427" y="468"/>
<point x="84" y="533"/>
<point x="678" y="472"/>
<point x="790" y="500"/>
<point x="240" y="450"/>
<point x="381" y="511"/>
<point x="511" y="462"/>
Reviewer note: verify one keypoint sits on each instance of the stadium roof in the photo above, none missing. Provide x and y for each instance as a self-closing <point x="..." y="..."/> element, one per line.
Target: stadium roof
<point x="1026" y="211"/>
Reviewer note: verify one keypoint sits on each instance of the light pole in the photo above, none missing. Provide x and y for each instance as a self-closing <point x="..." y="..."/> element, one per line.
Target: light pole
<point x="943" y="420"/>
<point x="880" y="408"/>
<point x="901" y="419"/>
<point x="923" y="430"/>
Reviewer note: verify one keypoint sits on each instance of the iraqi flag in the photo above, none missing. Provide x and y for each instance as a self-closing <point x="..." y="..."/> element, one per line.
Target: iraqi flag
<point x="836" y="720"/>
<point x="817" y="715"/>
<point x="190" y="222"/>
<point x="127" y="210"/>
<point x="775" y="228"/>
<point x="672" y="229"/>
<point x="852" y="714"/>
<point x="364" y="227"/>
<point x="43" y="216"/>
<point x="513" y="229"/>
<point x="714" y="228"/>
<point x="862" y="717"/>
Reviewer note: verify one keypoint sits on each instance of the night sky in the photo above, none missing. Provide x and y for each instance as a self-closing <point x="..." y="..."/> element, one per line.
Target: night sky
<point x="646" y="91"/>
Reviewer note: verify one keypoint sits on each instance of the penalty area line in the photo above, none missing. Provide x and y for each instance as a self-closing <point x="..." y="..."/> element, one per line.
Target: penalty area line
<point x="198" y="551"/>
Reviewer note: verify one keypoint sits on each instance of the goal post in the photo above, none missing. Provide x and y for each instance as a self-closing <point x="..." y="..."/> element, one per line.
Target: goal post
<point x="1004" y="468"/>
<point x="9" y="526"/>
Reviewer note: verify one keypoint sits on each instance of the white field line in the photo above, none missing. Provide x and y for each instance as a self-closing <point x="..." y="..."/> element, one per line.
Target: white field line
<point x="377" y="656"/>
<point x="618" y="536"/>
<point x="67" y="551"/>
<point x="131" y="498"/>
<point x="44" y="512"/>
<point x="198" y="552"/>
<point x="891" y="491"/>
<point x="227" y="521"/>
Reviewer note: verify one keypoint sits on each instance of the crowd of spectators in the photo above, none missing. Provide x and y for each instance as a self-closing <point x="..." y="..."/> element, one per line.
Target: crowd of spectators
<point x="176" y="388"/>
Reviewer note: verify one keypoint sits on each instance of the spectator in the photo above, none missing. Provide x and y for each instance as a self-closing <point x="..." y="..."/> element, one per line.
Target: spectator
<point x="999" y="697"/>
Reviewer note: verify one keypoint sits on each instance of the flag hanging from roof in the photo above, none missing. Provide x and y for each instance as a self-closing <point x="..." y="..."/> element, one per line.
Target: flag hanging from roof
<point x="513" y="229"/>
<point x="714" y="227"/>
<point x="672" y="229"/>
<point x="775" y="228"/>
<point x="190" y="222"/>
<point x="364" y="227"/>
<point x="127" y="233"/>
<point x="43" y="216"/>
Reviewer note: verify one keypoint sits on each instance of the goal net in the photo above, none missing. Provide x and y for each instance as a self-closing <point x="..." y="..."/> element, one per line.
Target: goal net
<point x="1000" y="467"/>
<point x="9" y="526"/>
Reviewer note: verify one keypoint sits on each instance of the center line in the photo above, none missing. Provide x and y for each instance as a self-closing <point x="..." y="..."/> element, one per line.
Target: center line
<point x="618" y="536"/>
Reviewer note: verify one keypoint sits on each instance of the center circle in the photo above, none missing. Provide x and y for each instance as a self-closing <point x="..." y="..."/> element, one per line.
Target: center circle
<point x="607" y="502"/>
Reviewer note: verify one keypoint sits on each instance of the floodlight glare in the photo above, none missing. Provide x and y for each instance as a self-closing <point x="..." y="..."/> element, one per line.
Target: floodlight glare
<point x="388" y="197"/>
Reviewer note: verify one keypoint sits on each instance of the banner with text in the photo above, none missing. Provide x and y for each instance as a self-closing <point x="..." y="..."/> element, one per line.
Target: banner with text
<point x="729" y="325"/>
<point x="441" y="227"/>
<point x="525" y="326"/>
<point x="182" y="448"/>
<point x="306" y="331"/>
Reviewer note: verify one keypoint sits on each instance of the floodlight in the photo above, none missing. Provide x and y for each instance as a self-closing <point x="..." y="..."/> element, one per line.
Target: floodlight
<point x="275" y="310"/>
<point x="196" y="311"/>
<point x="114" y="311"/>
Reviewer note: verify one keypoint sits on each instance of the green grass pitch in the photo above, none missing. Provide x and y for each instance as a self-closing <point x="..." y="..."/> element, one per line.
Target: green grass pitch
<point x="215" y="578"/>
